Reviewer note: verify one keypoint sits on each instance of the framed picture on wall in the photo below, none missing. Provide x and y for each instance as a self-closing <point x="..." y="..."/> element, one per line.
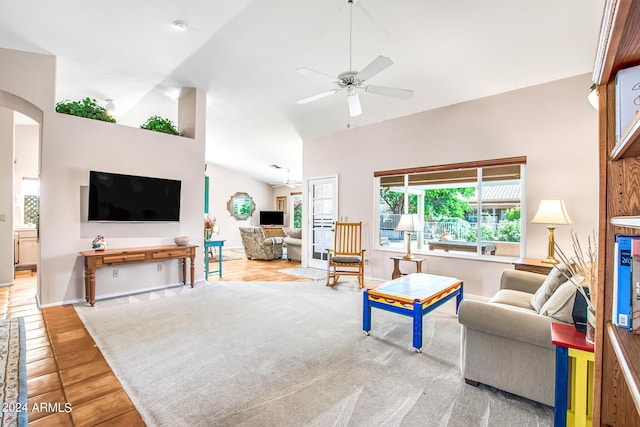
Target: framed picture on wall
<point x="281" y="204"/>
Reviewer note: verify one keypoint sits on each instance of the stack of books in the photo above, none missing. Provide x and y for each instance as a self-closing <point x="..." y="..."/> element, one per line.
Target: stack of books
<point x="626" y="280"/>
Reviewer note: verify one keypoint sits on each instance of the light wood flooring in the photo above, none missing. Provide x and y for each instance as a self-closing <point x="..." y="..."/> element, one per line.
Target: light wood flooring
<point x="64" y="366"/>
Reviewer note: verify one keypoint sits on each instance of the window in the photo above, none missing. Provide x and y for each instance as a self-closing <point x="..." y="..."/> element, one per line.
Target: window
<point x="469" y="208"/>
<point x="30" y="200"/>
<point x="296" y="218"/>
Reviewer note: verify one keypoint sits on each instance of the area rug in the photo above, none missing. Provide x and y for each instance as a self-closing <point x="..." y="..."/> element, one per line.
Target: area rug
<point x="291" y="354"/>
<point x="13" y="372"/>
<point x="309" y="273"/>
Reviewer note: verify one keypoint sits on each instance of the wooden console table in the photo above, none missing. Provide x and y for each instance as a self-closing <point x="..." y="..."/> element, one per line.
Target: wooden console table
<point x="97" y="259"/>
<point x="533" y="265"/>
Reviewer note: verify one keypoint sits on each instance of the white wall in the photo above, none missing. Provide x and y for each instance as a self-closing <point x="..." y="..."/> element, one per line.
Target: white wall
<point x="71" y="146"/>
<point x="552" y="124"/>
<point x="224" y="183"/>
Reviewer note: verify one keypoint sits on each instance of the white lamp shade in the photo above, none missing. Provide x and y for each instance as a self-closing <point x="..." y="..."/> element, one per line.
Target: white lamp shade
<point x="409" y="222"/>
<point x="551" y="212"/>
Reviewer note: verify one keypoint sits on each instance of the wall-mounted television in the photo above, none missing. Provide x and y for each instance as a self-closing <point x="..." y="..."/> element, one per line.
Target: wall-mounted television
<point x="271" y="218"/>
<point x="118" y="197"/>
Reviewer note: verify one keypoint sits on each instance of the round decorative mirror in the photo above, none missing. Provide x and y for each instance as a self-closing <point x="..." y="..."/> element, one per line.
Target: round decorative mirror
<point x="241" y="206"/>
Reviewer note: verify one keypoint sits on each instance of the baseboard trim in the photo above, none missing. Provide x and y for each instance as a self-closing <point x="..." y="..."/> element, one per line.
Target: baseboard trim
<point x="119" y="294"/>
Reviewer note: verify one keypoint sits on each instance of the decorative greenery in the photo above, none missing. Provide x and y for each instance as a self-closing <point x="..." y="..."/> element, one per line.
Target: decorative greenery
<point x="160" y="124"/>
<point x="508" y="231"/>
<point x="87" y="107"/>
<point x="297" y="213"/>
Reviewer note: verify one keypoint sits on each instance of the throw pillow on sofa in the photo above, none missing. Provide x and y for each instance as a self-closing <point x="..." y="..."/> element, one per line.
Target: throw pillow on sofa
<point x="560" y="305"/>
<point x="556" y="277"/>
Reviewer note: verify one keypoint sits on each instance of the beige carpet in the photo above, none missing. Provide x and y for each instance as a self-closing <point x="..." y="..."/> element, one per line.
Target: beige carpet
<point x="290" y="354"/>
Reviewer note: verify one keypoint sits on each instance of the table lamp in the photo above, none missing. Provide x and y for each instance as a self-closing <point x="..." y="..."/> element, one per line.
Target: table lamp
<point x="409" y="223"/>
<point x="551" y="212"/>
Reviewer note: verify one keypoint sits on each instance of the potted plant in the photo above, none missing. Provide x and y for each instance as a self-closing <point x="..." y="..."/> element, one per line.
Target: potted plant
<point x="160" y="124"/>
<point x="86" y="107"/>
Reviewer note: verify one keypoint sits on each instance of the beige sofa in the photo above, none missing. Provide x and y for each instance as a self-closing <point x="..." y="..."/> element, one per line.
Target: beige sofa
<point x="506" y="342"/>
<point x="293" y="241"/>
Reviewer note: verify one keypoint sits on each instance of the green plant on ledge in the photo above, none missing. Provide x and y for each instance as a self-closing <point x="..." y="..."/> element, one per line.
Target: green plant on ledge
<point x="160" y="124"/>
<point x="87" y="107"/>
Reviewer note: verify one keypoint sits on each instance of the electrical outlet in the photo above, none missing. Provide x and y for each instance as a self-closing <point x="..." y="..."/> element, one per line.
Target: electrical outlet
<point x="3" y="217"/>
<point x="116" y="273"/>
<point x="159" y="268"/>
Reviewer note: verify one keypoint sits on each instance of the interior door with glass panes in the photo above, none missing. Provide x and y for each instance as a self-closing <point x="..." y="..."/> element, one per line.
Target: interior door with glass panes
<point x="323" y="212"/>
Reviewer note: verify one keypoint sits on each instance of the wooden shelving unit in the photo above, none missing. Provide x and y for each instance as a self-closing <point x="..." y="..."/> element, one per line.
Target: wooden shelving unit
<point x="616" y="400"/>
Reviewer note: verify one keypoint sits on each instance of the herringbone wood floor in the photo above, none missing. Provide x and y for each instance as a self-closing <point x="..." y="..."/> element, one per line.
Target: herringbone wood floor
<point x="64" y="366"/>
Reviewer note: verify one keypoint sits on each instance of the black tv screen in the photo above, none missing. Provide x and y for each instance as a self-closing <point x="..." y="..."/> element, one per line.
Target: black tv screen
<point x="117" y="197"/>
<point x="271" y="218"/>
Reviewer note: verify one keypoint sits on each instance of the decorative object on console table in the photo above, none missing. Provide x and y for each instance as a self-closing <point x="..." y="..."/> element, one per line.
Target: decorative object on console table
<point x="551" y="212"/>
<point x="181" y="240"/>
<point x="98" y="243"/>
<point x="409" y="223"/>
<point x="532" y="265"/>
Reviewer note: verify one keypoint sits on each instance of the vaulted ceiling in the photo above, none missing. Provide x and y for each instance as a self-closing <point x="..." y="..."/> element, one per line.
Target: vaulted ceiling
<point x="245" y="53"/>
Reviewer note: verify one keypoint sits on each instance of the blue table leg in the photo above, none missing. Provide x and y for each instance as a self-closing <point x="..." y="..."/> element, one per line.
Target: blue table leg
<point x="417" y="326"/>
<point x="206" y="262"/>
<point x="562" y="380"/>
<point x="219" y="261"/>
<point x="366" y="313"/>
<point x="460" y="296"/>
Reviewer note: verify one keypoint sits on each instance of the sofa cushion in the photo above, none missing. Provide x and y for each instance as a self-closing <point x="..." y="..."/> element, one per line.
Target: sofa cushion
<point x="554" y="279"/>
<point x="560" y="305"/>
<point x="296" y="233"/>
<point x="513" y="298"/>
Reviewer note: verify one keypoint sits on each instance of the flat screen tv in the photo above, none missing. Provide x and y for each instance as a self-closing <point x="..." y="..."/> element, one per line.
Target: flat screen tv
<point x="271" y="218"/>
<point x="117" y="197"/>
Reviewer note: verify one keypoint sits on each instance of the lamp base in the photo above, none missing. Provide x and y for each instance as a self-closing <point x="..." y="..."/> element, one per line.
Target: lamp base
<point x="550" y="261"/>
<point x="408" y="256"/>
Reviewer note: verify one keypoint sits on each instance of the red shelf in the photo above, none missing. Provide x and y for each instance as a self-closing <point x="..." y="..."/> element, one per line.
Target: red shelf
<point x="567" y="336"/>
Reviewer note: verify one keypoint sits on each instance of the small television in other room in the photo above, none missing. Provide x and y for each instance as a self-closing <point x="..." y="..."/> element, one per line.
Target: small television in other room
<point x="118" y="197"/>
<point x="271" y="218"/>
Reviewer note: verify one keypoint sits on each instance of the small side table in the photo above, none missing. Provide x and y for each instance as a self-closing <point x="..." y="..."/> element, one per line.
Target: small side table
<point x="208" y="243"/>
<point x="396" y="265"/>
<point x="574" y="404"/>
<point x="533" y="265"/>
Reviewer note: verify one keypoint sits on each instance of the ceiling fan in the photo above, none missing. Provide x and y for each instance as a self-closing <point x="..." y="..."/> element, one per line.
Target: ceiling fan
<point x="354" y="81"/>
<point x="286" y="182"/>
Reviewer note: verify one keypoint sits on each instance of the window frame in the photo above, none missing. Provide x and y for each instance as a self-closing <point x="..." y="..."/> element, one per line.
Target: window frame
<point x="478" y="166"/>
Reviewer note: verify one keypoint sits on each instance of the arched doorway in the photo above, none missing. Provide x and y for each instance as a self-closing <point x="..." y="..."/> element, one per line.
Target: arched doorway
<point x="20" y="147"/>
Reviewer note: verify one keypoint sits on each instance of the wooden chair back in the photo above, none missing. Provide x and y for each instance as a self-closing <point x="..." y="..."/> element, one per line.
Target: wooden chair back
<point x="347" y="238"/>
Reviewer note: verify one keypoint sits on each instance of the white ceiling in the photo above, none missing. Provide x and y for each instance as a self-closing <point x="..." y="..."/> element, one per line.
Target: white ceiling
<point x="244" y="54"/>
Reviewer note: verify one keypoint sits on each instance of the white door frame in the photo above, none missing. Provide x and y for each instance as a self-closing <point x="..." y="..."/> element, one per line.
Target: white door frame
<point x="324" y="228"/>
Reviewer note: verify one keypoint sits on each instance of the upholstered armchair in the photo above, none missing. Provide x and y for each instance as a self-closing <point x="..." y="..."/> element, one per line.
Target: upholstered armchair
<point x="257" y="246"/>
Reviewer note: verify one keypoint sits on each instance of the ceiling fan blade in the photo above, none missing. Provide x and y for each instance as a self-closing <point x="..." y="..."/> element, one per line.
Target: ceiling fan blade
<point x="318" y="74"/>
<point x="389" y="91"/>
<point x="379" y="64"/>
<point x="353" y="100"/>
<point x="318" y="96"/>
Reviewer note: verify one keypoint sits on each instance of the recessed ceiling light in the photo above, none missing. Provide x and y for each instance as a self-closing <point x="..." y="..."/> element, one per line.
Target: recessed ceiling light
<point x="180" y="25"/>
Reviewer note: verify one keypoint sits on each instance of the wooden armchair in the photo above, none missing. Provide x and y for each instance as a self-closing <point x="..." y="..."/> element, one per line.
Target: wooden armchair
<point x="347" y="255"/>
